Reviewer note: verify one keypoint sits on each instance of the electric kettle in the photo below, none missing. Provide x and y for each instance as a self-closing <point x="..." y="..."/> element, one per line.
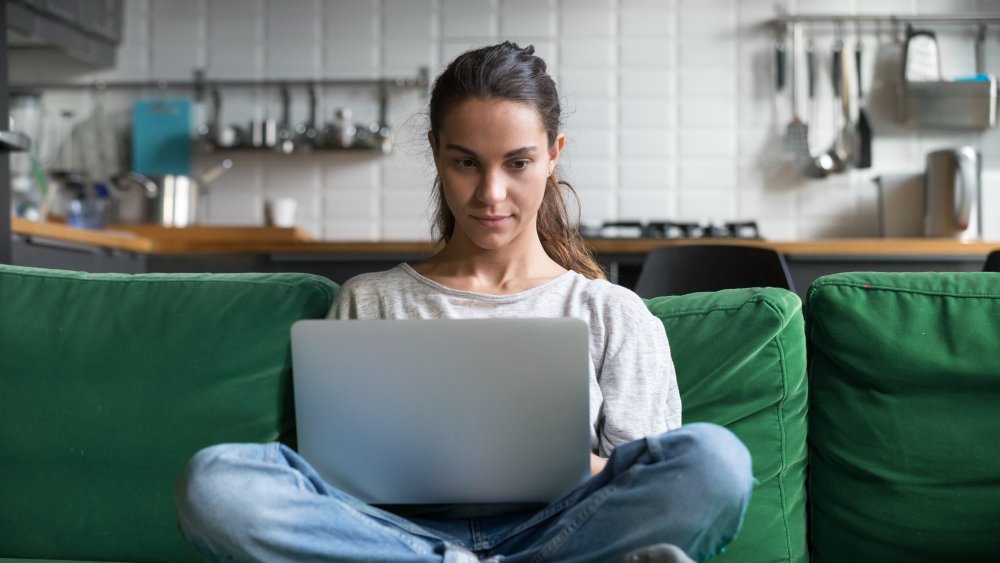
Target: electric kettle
<point x="952" y="194"/>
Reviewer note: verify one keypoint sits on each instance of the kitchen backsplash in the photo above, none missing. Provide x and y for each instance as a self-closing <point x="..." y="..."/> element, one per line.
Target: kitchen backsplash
<point x="671" y="110"/>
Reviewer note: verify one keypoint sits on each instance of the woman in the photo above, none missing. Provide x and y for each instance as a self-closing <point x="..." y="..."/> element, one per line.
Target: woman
<point x="509" y="250"/>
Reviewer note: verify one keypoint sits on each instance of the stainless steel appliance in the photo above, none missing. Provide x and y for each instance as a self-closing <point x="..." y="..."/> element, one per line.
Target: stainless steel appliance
<point x="952" y="194"/>
<point x="944" y="201"/>
<point x="900" y="205"/>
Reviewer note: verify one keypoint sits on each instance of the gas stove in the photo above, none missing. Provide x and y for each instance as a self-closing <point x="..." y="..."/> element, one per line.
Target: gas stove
<point x="673" y="230"/>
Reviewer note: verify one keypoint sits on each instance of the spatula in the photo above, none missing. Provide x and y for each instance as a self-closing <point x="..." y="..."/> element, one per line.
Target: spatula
<point x="797" y="132"/>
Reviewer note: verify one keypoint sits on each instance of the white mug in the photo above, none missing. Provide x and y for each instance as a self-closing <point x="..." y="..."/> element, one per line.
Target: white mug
<point x="281" y="212"/>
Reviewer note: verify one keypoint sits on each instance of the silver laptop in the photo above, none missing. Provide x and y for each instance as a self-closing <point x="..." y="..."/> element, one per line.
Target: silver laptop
<point x="444" y="411"/>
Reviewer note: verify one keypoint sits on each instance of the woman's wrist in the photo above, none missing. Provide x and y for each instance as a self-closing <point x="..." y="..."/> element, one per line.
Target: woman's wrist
<point x="597" y="464"/>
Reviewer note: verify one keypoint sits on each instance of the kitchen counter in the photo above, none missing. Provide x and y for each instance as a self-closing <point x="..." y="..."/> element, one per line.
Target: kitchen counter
<point x="152" y="239"/>
<point x="151" y="248"/>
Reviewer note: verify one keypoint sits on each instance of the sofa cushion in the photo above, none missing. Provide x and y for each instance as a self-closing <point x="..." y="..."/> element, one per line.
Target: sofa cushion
<point x="740" y="360"/>
<point x="904" y="383"/>
<point x="110" y="382"/>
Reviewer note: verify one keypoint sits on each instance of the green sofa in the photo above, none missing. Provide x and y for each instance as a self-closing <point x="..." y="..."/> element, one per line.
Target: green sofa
<point x="881" y="448"/>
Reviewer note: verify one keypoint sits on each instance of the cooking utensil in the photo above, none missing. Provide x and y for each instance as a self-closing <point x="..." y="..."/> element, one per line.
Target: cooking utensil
<point x="921" y="58"/>
<point x="263" y="133"/>
<point x="813" y="168"/>
<point x="231" y="136"/>
<point x="797" y="132"/>
<point x="774" y="152"/>
<point x="981" y="49"/>
<point x="779" y="65"/>
<point x="862" y="153"/>
<point x="208" y="132"/>
<point x="170" y="200"/>
<point x="285" y="133"/>
<point x="811" y="82"/>
<point x="211" y="174"/>
<point x="341" y="132"/>
<point x="214" y="135"/>
<point x="307" y="134"/>
<point x="835" y="158"/>
<point x="161" y="137"/>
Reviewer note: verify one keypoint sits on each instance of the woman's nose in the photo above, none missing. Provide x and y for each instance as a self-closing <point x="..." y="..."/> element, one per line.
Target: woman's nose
<point x="492" y="188"/>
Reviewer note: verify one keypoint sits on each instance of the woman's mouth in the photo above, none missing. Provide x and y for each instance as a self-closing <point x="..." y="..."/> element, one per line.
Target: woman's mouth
<point x="491" y="221"/>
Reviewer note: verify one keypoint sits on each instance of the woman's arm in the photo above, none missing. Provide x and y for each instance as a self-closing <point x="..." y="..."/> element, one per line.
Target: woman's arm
<point x="637" y="378"/>
<point x="597" y="464"/>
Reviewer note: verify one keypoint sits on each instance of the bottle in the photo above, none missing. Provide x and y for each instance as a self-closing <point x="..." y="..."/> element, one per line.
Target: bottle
<point x="343" y="127"/>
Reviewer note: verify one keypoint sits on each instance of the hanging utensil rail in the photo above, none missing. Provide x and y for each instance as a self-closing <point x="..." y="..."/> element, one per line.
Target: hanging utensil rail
<point x="782" y="22"/>
<point x="874" y="19"/>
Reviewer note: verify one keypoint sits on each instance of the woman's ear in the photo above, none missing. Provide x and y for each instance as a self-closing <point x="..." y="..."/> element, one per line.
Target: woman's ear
<point x="554" y="151"/>
<point x="433" y="142"/>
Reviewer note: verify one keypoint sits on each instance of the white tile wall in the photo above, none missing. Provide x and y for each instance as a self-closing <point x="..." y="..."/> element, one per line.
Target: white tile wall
<point x="351" y="38"/>
<point x="177" y="37"/>
<point x="292" y="38"/>
<point x="468" y="18"/>
<point x="527" y="18"/>
<point x="669" y="105"/>
<point x="235" y="33"/>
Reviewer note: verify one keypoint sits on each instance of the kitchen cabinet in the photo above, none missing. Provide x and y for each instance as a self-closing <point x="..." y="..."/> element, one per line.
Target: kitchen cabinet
<point x="6" y="146"/>
<point x="64" y="255"/>
<point x="85" y="30"/>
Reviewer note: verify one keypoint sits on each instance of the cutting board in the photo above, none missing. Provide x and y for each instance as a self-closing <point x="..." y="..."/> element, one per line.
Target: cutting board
<point x="161" y="137"/>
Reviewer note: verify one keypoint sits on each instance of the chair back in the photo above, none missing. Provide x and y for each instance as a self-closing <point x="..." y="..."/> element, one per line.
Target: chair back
<point x="992" y="262"/>
<point x="678" y="270"/>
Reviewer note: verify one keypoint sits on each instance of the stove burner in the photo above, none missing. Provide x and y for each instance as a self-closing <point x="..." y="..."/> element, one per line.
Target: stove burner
<point x="672" y="229"/>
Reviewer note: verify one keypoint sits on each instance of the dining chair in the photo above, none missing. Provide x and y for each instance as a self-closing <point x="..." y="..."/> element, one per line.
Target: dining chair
<point x="677" y="270"/>
<point x="992" y="262"/>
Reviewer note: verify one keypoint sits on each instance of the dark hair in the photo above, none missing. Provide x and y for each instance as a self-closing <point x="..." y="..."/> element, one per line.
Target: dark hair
<point x="508" y="72"/>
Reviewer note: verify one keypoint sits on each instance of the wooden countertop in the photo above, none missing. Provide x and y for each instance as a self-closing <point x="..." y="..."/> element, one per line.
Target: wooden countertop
<point x="152" y="239"/>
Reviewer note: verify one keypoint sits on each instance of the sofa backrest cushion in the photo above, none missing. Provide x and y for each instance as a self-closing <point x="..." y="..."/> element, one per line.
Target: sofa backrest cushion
<point x="741" y="363"/>
<point x="904" y="410"/>
<point x="109" y="383"/>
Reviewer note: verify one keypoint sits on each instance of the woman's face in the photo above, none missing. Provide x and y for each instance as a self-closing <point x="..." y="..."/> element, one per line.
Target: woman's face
<point x="493" y="158"/>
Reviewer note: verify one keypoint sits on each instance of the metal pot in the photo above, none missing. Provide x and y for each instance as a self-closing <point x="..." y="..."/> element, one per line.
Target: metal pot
<point x="171" y="200"/>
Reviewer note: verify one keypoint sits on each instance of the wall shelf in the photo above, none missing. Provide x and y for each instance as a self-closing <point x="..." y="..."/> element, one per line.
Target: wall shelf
<point x="199" y="84"/>
<point x="312" y="150"/>
<point x="203" y="87"/>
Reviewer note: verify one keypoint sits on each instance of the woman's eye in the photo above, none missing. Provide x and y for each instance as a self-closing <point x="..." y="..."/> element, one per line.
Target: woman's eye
<point x="519" y="164"/>
<point x="466" y="163"/>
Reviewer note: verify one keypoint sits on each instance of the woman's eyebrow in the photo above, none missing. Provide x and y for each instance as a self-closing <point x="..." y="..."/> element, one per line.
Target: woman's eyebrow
<point x="521" y="151"/>
<point x="516" y="152"/>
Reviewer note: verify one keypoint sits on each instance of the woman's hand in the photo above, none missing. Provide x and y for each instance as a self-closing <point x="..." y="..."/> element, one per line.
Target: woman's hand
<point x="596" y="464"/>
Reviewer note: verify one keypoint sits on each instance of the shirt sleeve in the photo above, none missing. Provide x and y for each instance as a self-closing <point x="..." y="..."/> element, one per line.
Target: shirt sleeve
<point x="342" y="305"/>
<point x="637" y="379"/>
<point x="358" y="298"/>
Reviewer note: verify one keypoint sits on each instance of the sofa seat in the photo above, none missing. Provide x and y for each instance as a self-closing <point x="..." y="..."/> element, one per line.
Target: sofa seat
<point x="740" y="356"/>
<point x="904" y="377"/>
<point x="109" y="383"/>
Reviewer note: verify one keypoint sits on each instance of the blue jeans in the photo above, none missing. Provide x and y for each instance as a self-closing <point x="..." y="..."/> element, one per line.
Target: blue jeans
<point x="262" y="502"/>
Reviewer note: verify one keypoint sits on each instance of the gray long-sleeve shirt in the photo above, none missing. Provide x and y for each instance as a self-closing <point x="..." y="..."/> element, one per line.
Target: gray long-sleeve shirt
<point x="633" y="386"/>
